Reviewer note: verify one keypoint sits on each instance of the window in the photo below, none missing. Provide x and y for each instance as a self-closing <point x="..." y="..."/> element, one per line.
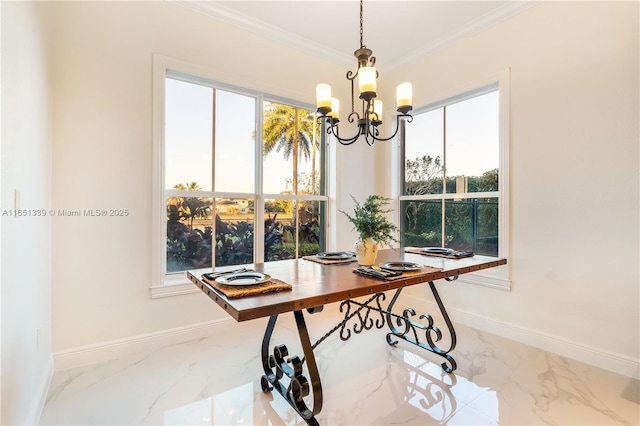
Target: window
<point x="241" y="178"/>
<point x="454" y="168"/>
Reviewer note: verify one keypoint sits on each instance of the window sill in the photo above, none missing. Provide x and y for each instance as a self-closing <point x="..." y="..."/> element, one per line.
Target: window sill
<point x="174" y="285"/>
<point x="487" y="280"/>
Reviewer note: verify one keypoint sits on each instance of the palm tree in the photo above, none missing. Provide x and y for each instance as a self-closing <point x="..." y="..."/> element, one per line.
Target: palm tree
<point x="190" y="186"/>
<point x="188" y="208"/>
<point x="291" y="130"/>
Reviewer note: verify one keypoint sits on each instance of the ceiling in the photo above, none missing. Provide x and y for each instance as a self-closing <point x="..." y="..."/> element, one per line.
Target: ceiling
<point x="397" y="31"/>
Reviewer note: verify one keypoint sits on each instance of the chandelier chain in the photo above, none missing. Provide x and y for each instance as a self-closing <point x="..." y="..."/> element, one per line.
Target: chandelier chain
<point x="361" y="32"/>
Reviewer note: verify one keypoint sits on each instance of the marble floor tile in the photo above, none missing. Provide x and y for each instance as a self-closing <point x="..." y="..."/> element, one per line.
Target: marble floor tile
<point x="216" y="381"/>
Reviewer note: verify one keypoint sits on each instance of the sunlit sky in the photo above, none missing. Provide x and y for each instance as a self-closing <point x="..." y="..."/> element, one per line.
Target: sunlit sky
<point x="188" y="134"/>
<point x="472" y="135"/>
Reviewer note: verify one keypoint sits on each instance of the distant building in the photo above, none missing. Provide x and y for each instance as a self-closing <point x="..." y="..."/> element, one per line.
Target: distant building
<point x="232" y="206"/>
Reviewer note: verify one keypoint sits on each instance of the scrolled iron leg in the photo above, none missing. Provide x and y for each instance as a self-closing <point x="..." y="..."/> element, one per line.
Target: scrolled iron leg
<point x="405" y="328"/>
<point x="296" y="386"/>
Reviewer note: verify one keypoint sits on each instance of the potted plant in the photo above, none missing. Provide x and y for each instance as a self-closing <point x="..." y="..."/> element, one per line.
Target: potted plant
<point x="373" y="227"/>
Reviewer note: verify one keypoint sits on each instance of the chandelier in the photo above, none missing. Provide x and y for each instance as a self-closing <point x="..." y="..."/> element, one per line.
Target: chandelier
<point x="370" y="117"/>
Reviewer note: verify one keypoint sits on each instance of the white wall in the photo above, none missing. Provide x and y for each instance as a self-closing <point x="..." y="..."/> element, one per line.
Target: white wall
<point x="27" y="363"/>
<point x="574" y="176"/>
<point x="103" y="151"/>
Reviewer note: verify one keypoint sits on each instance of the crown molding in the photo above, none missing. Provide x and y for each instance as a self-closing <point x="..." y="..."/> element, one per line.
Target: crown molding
<point x="225" y="14"/>
<point x="216" y="10"/>
<point x="476" y="26"/>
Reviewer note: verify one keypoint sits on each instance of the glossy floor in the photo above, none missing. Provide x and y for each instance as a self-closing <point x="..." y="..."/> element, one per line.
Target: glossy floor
<point x="215" y="381"/>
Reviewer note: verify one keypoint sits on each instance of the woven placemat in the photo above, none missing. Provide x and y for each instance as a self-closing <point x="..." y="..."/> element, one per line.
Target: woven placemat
<point x="249" y="290"/>
<point x="409" y="274"/>
<point x="456" y="255"/>
<point x="328" y="261"/>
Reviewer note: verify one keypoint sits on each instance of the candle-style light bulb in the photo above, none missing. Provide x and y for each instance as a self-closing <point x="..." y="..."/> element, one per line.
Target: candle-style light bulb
<point x="377" y="109"/>
<point x="323" y="96"/>
<point x="335" y="108"/>
<point x="404" y="97"/>
<point x="367" y="82"/>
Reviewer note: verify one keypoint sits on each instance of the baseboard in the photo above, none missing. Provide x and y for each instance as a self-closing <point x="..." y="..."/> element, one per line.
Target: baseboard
<point x="610" y="361"/>
<point x="40" y="395"/>
<point x="105" y="351"/>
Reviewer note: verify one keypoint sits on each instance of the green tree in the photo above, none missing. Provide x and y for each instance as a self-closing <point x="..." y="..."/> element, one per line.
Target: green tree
<point x="290" y="130"/>
<point x="306" y="185"/>
<point x="488" y="181"/>
<point x="469" y="223"/>
<point x="423" y="175"/>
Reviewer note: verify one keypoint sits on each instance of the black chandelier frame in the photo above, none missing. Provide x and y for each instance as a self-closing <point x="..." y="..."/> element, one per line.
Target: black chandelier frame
<point x="369" y="121"/>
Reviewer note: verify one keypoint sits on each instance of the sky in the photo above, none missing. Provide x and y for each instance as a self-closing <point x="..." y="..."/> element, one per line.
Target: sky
<point x="188" y="134"/>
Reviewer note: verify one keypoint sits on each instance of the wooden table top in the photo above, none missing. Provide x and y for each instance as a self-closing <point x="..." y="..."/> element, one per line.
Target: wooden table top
<point x="315" y="284"/>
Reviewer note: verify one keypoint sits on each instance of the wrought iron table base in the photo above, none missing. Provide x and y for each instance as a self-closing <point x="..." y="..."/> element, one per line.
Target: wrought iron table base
<point x="296" y="387"/>
<point x="277" y="365"/>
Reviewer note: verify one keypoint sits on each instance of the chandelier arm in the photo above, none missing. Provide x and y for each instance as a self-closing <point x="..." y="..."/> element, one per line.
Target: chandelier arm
<point x="345" y="141"/>
<point x="332" y="129"/>
<point x="409" y="119"/>
<point x="351" y="119"/>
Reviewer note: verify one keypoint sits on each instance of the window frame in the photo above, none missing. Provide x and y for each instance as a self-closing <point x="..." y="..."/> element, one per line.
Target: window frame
<point x="500" y="277"/>
<point x="165" y="284"/>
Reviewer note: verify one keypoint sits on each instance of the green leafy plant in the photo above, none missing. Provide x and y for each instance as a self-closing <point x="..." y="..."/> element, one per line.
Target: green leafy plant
<point x="370" y="221"/>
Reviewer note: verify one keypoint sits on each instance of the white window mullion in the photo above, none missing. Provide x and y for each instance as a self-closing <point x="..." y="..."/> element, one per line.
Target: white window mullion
<point x="444" y="175"/>
<point x="213" y="176"/>
<point x="294" y="197"/>
<point x="159" y="216"/>
<point x="504" y="249"/>
<point x="258" y="209"/>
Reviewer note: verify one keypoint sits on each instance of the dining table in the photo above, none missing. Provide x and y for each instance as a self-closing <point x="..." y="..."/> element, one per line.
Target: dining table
<point x="305" y="285"/>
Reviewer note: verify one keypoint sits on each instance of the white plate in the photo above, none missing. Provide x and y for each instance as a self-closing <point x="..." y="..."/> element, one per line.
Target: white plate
<point x="400" y="266"/>
<point x="438" y="250"/>
<point x="243" y="279"/>
<point x="335" y="255"/>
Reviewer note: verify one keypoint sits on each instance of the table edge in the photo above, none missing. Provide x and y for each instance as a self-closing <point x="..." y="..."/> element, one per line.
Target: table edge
<point x="377" y="286"/>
